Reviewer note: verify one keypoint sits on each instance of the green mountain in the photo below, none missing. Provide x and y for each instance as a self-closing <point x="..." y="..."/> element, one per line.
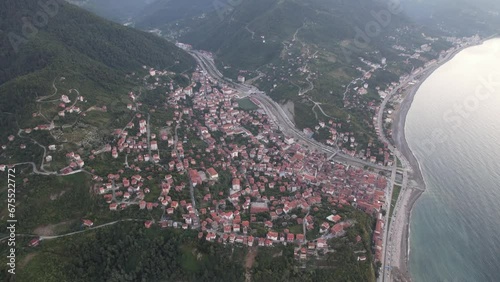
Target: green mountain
<point x="161" y="13"/>
<point x="313" y="47"/>
<point x="459" y="17"/>
<point x="298" y="47"/>
<point x="117" y="10"/>
<point x="92" y="54"/>
<point x="146" y="14"/>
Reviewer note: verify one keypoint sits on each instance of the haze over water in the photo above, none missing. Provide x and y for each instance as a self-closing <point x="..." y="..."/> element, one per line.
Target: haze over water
<point x="455" y="225"/>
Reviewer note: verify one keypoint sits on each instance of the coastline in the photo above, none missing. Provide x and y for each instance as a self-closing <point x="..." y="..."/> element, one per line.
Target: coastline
<point x="415" y="181"/>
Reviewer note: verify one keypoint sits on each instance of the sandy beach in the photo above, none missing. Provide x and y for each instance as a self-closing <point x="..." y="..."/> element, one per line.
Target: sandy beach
<point x="413" y="185"/>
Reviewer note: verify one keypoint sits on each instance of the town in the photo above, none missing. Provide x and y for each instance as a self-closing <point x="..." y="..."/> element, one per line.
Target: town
<point x="215" y="162"/>
<point x="277" y="188"/>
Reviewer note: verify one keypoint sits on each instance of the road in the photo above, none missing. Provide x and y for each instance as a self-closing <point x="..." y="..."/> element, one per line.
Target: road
<point x="86" y="230"/>
<point x="148" y="129"/>
<point x="196" y="221"/>
<point x="75" y="232"/>
<point x="304" y="223"/>
<point x="388" y="207"/>
<point x="46" y="97"/>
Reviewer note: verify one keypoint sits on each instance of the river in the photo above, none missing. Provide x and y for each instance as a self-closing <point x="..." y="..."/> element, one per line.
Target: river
<point x="453" y="128"/>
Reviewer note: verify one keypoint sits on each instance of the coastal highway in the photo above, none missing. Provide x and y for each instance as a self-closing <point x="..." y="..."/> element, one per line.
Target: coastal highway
<point x="278" y="115"/>
<point x="395" y="236"/>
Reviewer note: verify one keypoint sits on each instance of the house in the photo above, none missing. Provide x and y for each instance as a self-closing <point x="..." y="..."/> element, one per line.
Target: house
<point x="156" y="158"/>
<point x="311" y="245"/>
<point x="321" y="243"/>
<point x="114" y="153"/>
<point x="148" y="223"/>
<point x="335" y="218"/>
<point x="174" y="204"/>
<point x="262" y="241"/>
<point x="154" y="145"/>
<point x="35" y="242"/>
<point x="195" y="177"/>
<point x="87" y="223"/>
<point x="308" y="132"/>
<point x="258" y="207"/>
<point x="272" y="236"/>
<point x="125" y="182"/>
<point x="250" y="240"/>
<point x="303" y="253"/>
<point x="65" y="99"/>
<point x="113" y="206"/>
<point x="324" y="227"/>
<point x="188" y="90"/>
<point x="212" y="174"/>
<point x="268" y="224"/>
<point x="236" y="184"/>
<point x="210" y="236"/>
<point x="337" y="229"/>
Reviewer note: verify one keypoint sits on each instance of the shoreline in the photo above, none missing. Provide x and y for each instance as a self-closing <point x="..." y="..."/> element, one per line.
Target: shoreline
<point x="416" y="183"/>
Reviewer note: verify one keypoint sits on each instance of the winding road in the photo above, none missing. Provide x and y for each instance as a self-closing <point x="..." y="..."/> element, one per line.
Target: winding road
<point x="75" y="232"/>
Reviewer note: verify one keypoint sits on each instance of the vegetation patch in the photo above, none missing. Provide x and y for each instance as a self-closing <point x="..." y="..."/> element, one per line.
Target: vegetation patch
<point x="247" y="105"/>
<point x="395" y="195"/>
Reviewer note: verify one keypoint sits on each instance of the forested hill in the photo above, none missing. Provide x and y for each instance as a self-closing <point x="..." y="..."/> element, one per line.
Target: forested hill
<point x="146" y="14"/>
<point x="235" y="31"/>
<point x="116" y="10"/>
<point x="41" y="41"/>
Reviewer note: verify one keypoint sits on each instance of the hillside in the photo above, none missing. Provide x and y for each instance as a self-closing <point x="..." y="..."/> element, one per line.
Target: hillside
<point x="160" y="13"/>
<point x="459" y="17"/>
<point x="87" y="50"/>
<point x="239" y="32"/>
<point x="311" y="54"/>
<point x="117" y="10"/>
<point x="146" y="14"/>
<point x="310" y="50"/>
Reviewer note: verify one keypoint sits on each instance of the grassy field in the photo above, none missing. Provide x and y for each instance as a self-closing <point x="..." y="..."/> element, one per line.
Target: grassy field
<point x="395" y="196"/>
<point x="247" y="105"/>
<point x="189" y="259"/>
<point x="295" y="229"/>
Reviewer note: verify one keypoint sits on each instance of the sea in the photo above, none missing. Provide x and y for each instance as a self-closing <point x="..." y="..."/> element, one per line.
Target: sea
<point x="453" y="128"/>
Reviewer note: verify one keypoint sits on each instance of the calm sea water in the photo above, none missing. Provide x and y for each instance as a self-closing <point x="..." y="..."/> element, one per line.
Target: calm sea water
<point x="453" y="127"/>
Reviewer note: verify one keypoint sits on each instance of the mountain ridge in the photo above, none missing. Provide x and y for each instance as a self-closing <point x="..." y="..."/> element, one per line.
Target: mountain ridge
<point x="96" y="52"/>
